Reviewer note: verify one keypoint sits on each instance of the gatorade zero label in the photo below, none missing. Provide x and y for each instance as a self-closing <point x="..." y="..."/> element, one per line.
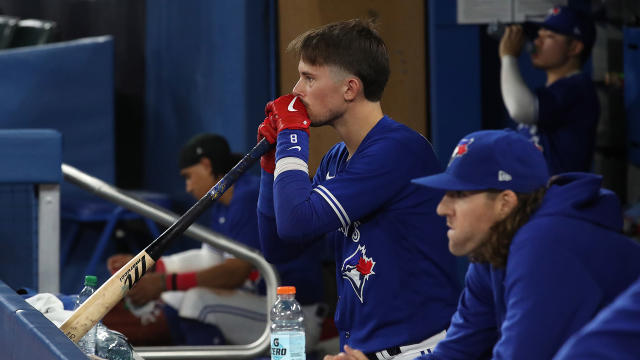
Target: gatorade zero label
<point x="287" y="347"/>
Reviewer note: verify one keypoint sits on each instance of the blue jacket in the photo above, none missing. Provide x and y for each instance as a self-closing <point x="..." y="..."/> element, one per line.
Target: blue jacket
<point x="614" y="334"/>
<point x="568" y="262"/>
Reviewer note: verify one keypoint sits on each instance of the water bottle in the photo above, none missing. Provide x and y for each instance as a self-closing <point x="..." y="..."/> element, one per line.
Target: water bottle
<point x="287" y="326"/>
<point x="88" y="342"/>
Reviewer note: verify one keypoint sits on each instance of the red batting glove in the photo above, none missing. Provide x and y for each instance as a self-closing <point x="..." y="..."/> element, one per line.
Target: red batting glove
<point x="288" y="112"/>
<point x="267" y="130"/>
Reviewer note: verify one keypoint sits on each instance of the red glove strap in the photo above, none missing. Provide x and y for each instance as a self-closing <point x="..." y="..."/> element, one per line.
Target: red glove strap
<point x="160" y="267"/>
<point x="182" y="281"/>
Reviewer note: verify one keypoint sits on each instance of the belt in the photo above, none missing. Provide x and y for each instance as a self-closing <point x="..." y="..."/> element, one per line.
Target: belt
<point x="424" y="346"/>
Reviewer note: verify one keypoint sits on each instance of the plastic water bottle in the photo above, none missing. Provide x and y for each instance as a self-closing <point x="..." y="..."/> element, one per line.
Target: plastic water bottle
<point x="88" y="342"/>
<point x="287" y="326"/>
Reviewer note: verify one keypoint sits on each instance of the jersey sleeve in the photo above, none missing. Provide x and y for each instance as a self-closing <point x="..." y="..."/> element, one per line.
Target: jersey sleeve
<point x="548" y="297"/>
<point x="304" y="209"/>
<point x="473" y="330"/>
<point x="273" y="248"/>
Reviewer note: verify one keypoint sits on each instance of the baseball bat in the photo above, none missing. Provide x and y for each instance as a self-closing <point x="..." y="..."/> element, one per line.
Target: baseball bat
<point x="117" y="286"/>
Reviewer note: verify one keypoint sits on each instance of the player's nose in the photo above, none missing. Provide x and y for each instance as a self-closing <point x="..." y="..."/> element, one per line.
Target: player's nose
<point x="444" y="207"/>
<point x="296" y="91"/>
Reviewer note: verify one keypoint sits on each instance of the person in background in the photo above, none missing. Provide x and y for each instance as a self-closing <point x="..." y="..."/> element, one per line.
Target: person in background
<point x="562" y="116"/>
<point x="215" y="298"/>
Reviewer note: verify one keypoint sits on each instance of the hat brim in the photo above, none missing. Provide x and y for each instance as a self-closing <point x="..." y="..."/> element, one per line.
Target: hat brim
<point x="531" y="28"/>
<point x="444" y="181"/>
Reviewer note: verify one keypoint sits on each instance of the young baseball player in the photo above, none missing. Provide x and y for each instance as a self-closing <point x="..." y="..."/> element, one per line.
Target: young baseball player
<point x="546" y="255"/>
<point x="206" y="288"/>
<point x="390" y="252"/>
<point x="561" y="117"/>
<point x="613" y="334"/>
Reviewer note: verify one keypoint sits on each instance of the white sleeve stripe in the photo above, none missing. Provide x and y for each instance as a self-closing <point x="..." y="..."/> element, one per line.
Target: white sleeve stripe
<point x="332" y="206"/>
<point x="344" y="213"/>
<point x="290" y="163"/>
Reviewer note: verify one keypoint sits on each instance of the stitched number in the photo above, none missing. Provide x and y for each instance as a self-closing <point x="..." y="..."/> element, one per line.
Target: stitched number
<point x="293" y="138"/>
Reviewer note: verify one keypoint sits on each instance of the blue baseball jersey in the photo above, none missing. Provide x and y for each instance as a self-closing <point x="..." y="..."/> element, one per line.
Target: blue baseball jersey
<point x="614" y="334"/>
<point x="564" y="265"/>
<point x="395" y="276"/>
<point x="568" y="112"/>
<point x="239" y="221"/>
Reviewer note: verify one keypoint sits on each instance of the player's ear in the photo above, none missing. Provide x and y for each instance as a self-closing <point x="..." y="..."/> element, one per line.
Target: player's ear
<point x="206" y="163"/>
<point x="352" y="87"/>
<point x="576" y="47"/>
<point x="505" y="202"/>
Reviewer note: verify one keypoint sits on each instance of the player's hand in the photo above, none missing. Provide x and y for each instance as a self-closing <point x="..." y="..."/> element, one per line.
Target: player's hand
<point x="115" y="262"/>
<point x="148" y="288"/>
<point x="288" y="112"/>
<point x="349" y="354"/>
<point x="267" y="130"/>
<point x="512" y="41"/>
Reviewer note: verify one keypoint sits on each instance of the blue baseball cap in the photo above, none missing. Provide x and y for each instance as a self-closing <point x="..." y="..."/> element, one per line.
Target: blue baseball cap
<point x="492" y="159"/>
<point x="567" y="21"/>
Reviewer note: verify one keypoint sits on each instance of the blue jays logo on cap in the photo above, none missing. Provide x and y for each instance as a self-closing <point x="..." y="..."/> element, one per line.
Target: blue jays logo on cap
<point x="357" y="268"/>
<point x="461" y="149"/>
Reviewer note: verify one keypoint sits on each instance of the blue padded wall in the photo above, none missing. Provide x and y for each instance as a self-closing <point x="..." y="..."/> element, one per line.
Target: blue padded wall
<point x="68" y="87"/>
<point x="26" y="334"/>
<point x="18" y="235"/>
<point x="27" y="157"/>
<point x="209" y="69"/>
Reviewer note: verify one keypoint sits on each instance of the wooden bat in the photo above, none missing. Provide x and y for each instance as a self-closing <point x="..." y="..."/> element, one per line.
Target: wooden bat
<point x="114" y="289"/>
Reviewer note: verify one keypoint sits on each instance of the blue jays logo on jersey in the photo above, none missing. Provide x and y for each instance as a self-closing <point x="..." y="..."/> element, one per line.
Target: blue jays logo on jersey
<point x="357" y="268"/>
<point x="461" y="149"/>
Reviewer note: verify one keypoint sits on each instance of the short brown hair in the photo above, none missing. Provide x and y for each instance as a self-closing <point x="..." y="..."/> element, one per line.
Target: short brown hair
<point x="495" y="249"/>
<point x="353" y="45"/>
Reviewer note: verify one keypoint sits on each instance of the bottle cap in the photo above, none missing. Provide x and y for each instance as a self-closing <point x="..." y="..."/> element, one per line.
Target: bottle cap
<point x="90" y="280"/>
<point x="286" y="290"/>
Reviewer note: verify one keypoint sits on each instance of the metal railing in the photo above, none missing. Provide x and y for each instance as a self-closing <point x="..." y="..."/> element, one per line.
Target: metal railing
<point x="198" y="232"/>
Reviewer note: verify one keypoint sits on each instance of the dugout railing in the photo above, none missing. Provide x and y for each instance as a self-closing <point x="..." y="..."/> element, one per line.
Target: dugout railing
<point x="200" y="233"/>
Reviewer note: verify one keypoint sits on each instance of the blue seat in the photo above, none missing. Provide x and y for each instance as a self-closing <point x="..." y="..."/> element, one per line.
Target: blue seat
<point x="79" y="211"/>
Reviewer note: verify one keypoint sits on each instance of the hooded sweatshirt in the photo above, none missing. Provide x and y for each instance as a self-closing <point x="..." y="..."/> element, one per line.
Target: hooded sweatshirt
<point x="613" y="335"/>
<point x="565" y="264"/>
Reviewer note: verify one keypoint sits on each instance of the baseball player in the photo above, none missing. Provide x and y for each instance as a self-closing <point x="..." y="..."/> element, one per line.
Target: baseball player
<point x="204" y="287"/>
<point x="613" y="334"/>
<point x="545" y="257"/>
<point x="390" y="252"/>
<point x="561" y="117"/>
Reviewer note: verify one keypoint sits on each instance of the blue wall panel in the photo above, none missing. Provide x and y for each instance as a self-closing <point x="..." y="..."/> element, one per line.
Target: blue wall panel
<point x="209" y="68"/>
<point x="68" y="87"/>
<point x="455" y="86"/>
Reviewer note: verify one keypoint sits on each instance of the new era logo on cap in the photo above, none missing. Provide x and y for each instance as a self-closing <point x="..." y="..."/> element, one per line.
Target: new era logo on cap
<point x="504" y="176"/>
